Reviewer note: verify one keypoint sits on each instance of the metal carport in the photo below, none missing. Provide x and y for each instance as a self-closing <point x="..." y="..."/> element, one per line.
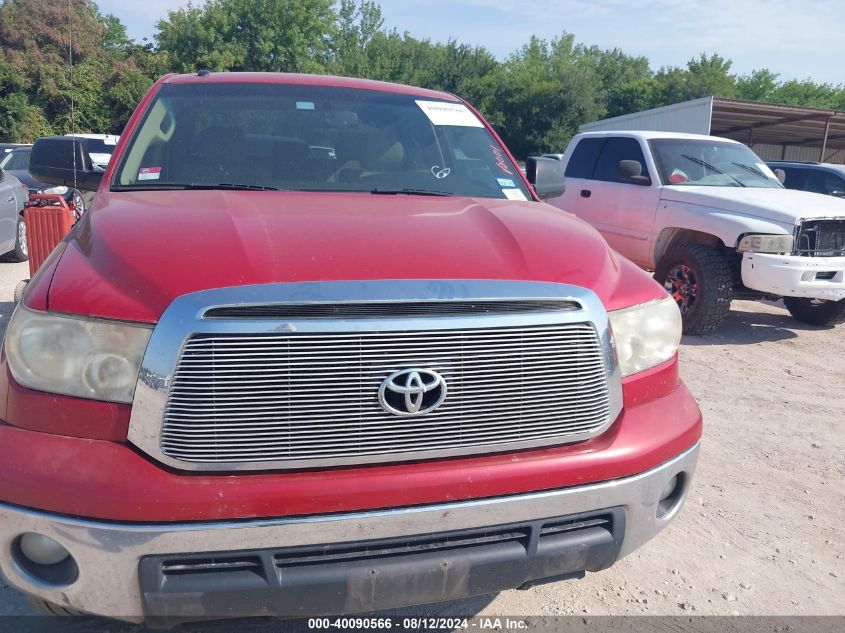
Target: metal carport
<point x="775" y="132"/>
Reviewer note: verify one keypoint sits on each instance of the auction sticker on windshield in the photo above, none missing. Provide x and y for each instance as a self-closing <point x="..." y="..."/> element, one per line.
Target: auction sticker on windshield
<point x="442" y="113"/>
<point x="149" y="173"/>
<point x="514" y="194"/>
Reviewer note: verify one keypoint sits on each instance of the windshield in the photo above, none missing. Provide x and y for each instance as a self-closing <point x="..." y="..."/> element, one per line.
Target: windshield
<point x="704" y="163"/>
<point x="16" y="160"/>
<point x="314" y="138"/>
<point x="99" y="146"/>
<point x="101" y="149"/>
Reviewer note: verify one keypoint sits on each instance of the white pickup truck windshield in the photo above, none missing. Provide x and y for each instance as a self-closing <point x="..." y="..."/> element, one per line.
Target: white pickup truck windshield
<point x="701" y="163"/>
<point x="313" y="138"/>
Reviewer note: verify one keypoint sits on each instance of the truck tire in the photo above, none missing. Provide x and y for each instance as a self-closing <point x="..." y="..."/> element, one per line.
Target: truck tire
<point x="816" y="311"/>
<point x="700" y="279"/>
<point x="48" y="608"/>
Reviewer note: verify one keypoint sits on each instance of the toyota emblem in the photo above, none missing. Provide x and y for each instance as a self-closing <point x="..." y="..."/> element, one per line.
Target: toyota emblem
<point x="412" y="391"/>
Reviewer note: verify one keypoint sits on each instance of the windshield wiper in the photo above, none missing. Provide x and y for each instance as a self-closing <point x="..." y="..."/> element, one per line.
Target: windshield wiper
<point x="754" y="171"/>
<point x="706" y="165"/>
<point x="409" y="192"/>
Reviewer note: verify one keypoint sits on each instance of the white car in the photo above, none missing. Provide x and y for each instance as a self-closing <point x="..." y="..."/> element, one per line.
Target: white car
<point x="100" y="147"/>
<point x="712" y="220"/>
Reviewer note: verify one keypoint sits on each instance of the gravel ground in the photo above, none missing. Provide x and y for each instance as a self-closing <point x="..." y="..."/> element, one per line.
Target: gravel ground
<point x="761" y="533"/>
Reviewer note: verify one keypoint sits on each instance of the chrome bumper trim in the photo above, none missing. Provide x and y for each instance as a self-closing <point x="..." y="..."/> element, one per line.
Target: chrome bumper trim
<point x="108" y="553"/>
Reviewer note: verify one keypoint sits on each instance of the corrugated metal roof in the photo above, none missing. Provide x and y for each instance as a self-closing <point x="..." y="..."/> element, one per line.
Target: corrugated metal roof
<point x="798" y="132"/>
<point x="774" y="124"/>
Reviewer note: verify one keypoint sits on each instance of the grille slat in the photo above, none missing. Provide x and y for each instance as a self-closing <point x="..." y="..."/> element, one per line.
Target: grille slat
<point x="466" y="417"/>
<point x="232" y="454"/>
<point x="335" y="338"/>
<point x="310" y="397"/>
<point x="264" y="434"/>
<point x="328" y="365"/>
<point x="396" y="438"/>
<point x="491" y="387"/>
<point x="388" y="309"/>
<point x="191" y="395"/>
<point x="467" y="336"/>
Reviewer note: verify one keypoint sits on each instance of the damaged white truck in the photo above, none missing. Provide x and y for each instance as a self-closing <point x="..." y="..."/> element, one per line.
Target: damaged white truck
<point x="712" y="221"/>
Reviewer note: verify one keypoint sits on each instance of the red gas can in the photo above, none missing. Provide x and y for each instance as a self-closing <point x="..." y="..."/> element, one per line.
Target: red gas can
<point x="48" y="219"/>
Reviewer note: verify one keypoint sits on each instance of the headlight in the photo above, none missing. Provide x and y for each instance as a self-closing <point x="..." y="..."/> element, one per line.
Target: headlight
<point x="75" y="356"/>
<point x="60" y="190"/>
<point x="765" y="244"/>
<point x="646" y="334"/>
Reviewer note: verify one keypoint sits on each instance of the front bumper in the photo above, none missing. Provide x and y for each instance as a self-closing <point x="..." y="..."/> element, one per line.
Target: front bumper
<point x="795" y="276"/>
<point x="119" y="564"/>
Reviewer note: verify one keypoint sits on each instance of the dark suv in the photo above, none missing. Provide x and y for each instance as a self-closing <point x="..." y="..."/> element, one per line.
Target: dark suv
<point x="823" y="178"/>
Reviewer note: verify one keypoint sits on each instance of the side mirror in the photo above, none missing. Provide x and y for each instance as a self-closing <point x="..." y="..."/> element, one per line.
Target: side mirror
<point x="780" y="174"/>
<point x="64" y="160"/>
<point x="546" y="174"/>
<point x="632" y="171"/>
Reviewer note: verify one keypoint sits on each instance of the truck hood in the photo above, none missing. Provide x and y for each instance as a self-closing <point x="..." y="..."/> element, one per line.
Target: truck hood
<point x="135" y="252"/>
<point x="786" y="206"/>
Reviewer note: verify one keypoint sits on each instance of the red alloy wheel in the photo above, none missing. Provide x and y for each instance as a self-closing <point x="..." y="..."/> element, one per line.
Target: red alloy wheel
<point x="683" y="286"/>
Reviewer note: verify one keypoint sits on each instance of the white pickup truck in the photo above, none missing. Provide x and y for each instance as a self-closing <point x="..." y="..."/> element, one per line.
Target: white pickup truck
<point x="712" y="220"/>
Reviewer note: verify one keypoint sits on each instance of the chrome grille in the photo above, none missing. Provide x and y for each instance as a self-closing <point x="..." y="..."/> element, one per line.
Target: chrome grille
<point x="313" y="397"/>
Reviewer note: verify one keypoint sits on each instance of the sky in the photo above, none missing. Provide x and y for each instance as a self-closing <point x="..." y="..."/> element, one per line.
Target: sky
<point x="796" y="39"/>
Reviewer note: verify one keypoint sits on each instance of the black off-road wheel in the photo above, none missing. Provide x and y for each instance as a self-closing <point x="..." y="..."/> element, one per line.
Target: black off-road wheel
<point x="816" y="311"/>
<point x="700" y="279"/>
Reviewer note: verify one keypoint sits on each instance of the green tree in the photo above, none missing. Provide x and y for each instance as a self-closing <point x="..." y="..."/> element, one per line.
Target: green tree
<point x="809" y="94"/>
<point x="392" y="56"/>
<point x="760" y="85"/>
<point x="255" y="35"/>
<point x="541" y="95"/>
<point x="115" y="37"/>
<point x="46" y="94"/>
<point x="357" y="25"/>
<point x="710" y="76"/>
<point x="460" y="69"/>
<point x="626" y="82"/>
<point x="633" y="96"/>
<point x="13" y="103"/>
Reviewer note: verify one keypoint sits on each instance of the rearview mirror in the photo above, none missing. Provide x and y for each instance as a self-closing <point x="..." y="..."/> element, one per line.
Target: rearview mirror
<point x="64" y="160"/>
<point x="546" y="174"/>
<point x="779" y="174"/>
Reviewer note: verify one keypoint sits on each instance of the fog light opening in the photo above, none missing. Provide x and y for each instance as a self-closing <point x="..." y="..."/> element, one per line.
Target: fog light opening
<point x="671" y="496"/>
<point x="44" y="560"/>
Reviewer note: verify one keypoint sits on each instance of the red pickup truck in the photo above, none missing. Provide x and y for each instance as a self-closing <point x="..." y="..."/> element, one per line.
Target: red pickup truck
<point x="319" y="347"/>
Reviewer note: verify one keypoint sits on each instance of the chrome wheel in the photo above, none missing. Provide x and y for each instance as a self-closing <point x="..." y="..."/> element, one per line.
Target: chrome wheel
<point x="78" y="203"/>
<point x="22" y="244"/>
<point x="682" y="284"/>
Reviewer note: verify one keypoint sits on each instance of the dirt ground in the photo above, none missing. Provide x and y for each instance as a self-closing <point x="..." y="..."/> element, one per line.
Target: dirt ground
<point x="762" y="531"/>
